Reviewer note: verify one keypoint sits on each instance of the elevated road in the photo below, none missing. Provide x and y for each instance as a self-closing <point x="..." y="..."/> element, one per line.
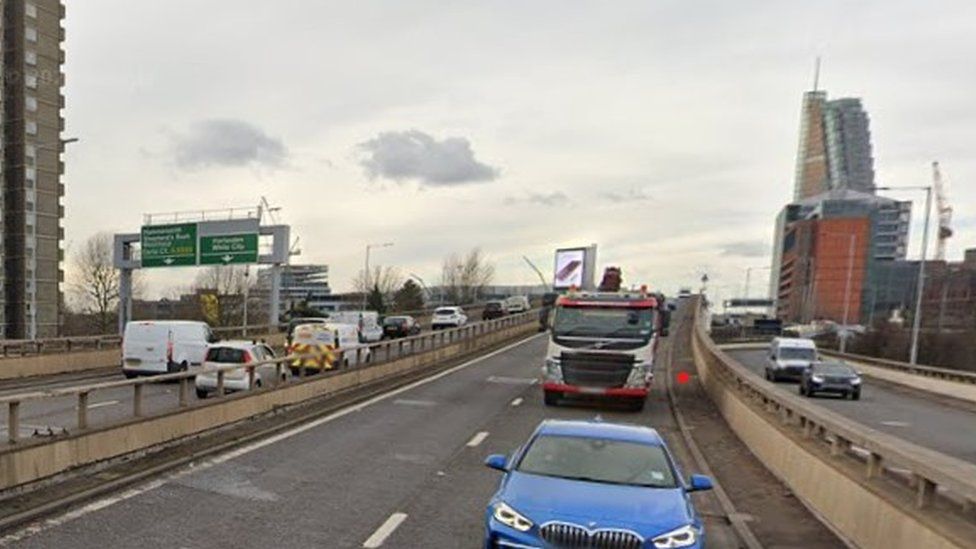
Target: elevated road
<point x="917" y="417"/>
<point x="412" y="459"/>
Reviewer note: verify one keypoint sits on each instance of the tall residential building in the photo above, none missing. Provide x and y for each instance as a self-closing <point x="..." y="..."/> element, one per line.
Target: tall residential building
<point x="835" y="147"/>
<point x="32" y="167"/>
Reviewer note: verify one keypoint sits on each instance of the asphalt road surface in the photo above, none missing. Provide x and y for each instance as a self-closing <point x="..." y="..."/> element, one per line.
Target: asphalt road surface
<point x="907" y="414"/>
<point x="408" y="465"/>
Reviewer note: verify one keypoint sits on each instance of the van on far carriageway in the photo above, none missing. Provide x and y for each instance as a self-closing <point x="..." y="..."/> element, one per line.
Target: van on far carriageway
<point x="151" y="347"/>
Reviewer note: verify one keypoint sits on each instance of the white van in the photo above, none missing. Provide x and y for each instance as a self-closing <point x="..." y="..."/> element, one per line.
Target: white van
<point x="789" y="357"/>
<point x="517" y="304"/>
<point x="164" y="346"/>
<point x="368" y="323"/>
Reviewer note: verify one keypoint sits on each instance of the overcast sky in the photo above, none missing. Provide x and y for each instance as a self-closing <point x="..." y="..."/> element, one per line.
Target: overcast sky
<point x="664" y="131"/>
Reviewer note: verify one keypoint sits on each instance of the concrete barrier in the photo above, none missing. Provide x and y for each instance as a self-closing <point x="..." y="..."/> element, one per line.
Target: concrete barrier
<point x="27" y="462"/>
<point x="45" y="365"/>
<point x="815" y="453"/>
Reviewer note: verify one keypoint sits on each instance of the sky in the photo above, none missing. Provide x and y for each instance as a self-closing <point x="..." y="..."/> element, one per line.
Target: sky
<point x="665" y="132"/>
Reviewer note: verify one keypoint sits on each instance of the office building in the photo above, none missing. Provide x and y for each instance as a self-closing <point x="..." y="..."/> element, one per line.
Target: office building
<point x="834" y="237"/>
<point x="835" y="147"/>
<point x="32" y="126"/>
<point x="301" y="285"/>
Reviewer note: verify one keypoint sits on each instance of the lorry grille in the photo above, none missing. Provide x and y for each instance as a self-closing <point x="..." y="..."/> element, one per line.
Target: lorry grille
<point x="569" y="536"/>
<point x="596" y="369"/>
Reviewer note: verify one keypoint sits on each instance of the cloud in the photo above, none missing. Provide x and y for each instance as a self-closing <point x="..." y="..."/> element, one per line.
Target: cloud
<point x="227" y="143"/>
<point x="750" y="248"/>
<point x="634" y="194"/>
<point x="552" y="199"/>
<point x="416" y="155"/>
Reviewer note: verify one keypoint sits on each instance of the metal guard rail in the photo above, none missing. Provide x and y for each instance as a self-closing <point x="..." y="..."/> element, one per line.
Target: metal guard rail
<point x="32" y="347"/>
<point x="380" y="353"/>
<point x="946" y="374"/>
<point x="932" y="475"/>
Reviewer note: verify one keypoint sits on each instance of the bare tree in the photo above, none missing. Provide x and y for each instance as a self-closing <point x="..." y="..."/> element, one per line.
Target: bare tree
<point x="464" y="278"/>
<point x="96" y="285"/>
<point x="387" y="279"/>
<point x="222" y="289"/>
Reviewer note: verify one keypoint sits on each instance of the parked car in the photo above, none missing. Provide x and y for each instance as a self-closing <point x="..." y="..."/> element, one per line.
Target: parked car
<point x="493" y="310"/>
<point x="448" y="317"/>
<point x="237" y="352"/>
<point x="593" y="484"/>
<point x="831" y="377"/>
<point x="517" y="304"/>
<point x="789" y="357"/>
<point x="152" y="347"/>
<point x="400" y="326"/>
<point x="330" y="338"/>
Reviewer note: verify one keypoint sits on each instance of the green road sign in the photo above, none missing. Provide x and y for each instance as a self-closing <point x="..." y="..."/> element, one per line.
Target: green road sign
<point x="229" y="249"/>
<point x="169" y="245"/>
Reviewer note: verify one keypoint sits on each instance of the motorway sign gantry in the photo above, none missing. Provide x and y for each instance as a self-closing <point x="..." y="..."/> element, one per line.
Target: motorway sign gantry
<point x="169" y="245"/>
<point x="229" y="249"/>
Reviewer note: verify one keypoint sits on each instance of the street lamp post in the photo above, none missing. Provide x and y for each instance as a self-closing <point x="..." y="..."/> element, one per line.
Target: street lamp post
<point x="920" y="285"/>
<point x="366" y="272"/>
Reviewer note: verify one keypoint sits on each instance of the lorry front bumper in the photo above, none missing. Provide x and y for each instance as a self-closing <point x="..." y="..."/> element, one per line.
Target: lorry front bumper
<point x="638" y="392"/>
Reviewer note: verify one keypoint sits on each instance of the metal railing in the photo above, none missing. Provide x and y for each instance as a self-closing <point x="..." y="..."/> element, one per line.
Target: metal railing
<point x="924" y="474"/>
<point x="946" y="374"/>
<point x="378" y="353"/>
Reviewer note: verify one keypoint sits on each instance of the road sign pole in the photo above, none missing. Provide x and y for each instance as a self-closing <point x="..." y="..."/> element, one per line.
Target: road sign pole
<point x="125" y="298"/>
<point x="274" y="300"/>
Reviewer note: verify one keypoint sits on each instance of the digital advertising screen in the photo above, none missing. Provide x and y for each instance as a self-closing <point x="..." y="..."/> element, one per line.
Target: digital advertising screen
<point x="570" y="265"/>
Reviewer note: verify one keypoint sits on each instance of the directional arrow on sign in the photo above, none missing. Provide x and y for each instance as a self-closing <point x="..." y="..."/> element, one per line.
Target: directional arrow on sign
<point x="168" y="261"/>
<point x="227" y="258"/>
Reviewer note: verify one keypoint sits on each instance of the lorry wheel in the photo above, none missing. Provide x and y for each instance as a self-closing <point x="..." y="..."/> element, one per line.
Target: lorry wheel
<point x="552" y="398"/>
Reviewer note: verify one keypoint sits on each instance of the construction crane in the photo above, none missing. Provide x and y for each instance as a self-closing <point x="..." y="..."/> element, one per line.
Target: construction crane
<point x="944" y="210"/>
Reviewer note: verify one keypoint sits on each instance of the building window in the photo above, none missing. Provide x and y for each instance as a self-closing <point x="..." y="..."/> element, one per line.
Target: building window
<point x="30" y="10"/>
<point x="31" y="127"/>
<point x="31" y="34"/>
<point x="30" y="57"/>
<point x="31" y="103"/>
<point x="30" y="81"/>
<point x="30" y="175"/>
<point x="29" y="206"/>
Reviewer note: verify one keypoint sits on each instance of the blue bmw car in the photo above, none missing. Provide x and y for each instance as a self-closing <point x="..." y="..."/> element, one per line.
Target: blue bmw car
<point x="588" y="484"/>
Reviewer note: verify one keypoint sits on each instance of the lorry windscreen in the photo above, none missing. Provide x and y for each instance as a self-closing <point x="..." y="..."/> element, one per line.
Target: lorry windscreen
<point x="604" y="322"/>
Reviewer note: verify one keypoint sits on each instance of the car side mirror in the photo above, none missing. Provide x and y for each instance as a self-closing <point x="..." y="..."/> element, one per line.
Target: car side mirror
<point x="699" y="483"/>
<point x="497" y="462"/>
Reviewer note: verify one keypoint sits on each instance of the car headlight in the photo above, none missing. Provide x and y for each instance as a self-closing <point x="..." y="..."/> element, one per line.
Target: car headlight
<point x="817" y="379"/>
<point x="553" y="370"/>
<point x="685" y="536"/>
<point x="855" y="381"/>
<point x="510" y="517"/>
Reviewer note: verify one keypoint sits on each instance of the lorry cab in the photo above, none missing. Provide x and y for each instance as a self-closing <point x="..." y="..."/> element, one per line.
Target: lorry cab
<point x="789" y="357"/>
<point x="603" y="344"/>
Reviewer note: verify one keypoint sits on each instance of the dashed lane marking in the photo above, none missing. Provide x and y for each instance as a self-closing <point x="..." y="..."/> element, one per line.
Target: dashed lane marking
<point x="102" y="404"/>
<point x="517" y="402"/>
<point x="477" y="439"/>
<point x="409" y="402"/>
<point x="384" y="531"/>
<point x="513" y="380"/>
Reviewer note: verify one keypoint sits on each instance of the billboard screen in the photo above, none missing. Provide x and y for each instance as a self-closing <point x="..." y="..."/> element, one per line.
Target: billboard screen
<point x="570" y="266"/>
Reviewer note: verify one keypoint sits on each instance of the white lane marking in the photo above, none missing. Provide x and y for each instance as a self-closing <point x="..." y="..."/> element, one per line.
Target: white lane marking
<point x="477" y="439"/>
<point x="384" y="531"/>
<point x="896" y="423"/>
<point x="517" y="402"/>
<point x="409" y="402"/>
<point x="206" y="464"/>
<point x="513" y="380"/>
<point x="102" y="404"/>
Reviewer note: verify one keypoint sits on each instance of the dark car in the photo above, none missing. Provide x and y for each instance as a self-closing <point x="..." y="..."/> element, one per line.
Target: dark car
<point x="493" y="310"/>
<point x="831" y="377"/>
<point x="400" y="326"/>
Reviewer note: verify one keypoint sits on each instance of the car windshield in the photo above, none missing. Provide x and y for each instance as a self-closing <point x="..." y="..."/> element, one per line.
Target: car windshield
<point x="610" y="322"/>
<point x="599" y="460"/>
<point x="226" y="355"/>
<point x="834" y="369"/>
<point x="797" y="353"/>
